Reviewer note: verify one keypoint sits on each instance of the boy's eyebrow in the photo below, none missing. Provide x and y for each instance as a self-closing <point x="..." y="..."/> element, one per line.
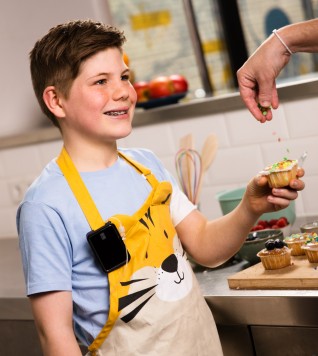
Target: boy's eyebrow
<point x="106" y="74"/>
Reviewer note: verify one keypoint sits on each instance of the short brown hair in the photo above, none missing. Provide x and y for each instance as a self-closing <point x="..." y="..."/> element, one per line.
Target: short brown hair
<point x="56" y="58"/>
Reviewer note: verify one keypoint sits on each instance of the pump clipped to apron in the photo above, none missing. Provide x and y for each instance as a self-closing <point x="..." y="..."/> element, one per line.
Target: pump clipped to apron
<point x="156" y="306"/>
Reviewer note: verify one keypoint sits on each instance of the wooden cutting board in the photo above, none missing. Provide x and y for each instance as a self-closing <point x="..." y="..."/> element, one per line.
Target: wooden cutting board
<point x="300" y="275"/>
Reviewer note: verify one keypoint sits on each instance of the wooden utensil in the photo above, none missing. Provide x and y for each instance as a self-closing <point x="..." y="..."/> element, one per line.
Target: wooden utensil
<point x="209" y="150"/>
<point x="187" y="142"/>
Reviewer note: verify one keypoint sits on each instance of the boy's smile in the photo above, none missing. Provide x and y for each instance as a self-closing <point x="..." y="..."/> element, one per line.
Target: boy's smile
<point x="101" y="102"/>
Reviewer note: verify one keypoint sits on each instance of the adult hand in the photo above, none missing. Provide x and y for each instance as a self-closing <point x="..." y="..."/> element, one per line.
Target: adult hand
<point x="256" y="78"/>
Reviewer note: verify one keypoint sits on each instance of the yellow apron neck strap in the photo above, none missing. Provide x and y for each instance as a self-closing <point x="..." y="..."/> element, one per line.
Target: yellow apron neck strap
<point x="145" y="172"/>
<point x="79" y="190"/>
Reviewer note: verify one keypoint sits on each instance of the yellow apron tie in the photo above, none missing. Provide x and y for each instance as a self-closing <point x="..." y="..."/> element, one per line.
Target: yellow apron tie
<point x="80" y="191"/>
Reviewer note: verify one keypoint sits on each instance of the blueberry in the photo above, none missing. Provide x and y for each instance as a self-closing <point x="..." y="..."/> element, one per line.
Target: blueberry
<point x="270" y="244"/>
<point x="278" y="243"/>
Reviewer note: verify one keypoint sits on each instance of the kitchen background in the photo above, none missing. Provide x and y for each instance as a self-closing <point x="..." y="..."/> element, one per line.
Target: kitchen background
<point x="245" y="146"/>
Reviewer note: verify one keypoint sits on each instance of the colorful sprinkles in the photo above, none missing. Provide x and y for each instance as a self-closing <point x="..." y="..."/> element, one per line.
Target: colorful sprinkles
<point x="312" y="238"/>
<point x="284" y="164"/>
<point x="263" y="109"/>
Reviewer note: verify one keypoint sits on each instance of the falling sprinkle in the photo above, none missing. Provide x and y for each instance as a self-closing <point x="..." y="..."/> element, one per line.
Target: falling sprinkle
<point x="274" y="133"/>
<point x="279" y="139"/>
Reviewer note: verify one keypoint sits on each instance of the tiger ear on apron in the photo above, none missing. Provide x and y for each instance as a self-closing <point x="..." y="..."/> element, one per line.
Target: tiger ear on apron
<point x="156" y="305"/>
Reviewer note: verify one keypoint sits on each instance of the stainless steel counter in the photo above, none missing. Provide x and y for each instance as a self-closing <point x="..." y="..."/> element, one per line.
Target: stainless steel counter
<point x="256" y="307"/>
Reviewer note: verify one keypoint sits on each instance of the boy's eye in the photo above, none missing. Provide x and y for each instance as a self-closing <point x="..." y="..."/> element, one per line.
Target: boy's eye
<point x="125" y="77"/>
<point x="101" y="82"/>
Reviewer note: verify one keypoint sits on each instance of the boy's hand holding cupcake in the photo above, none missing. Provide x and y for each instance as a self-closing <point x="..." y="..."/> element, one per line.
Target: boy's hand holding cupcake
<point x="264" y="196"/>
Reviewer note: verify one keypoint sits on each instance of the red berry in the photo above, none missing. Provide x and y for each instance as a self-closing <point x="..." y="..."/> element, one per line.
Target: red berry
<point x="275" y="226"/>
<point x="284" y="218"/>
<point x="273" y="222"/>
<point x="257" y="228"/>
<point x="263" y="223"/>
<point x="281" y="222"/>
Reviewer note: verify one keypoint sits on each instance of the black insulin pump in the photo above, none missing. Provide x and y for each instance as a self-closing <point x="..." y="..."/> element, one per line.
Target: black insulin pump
<point x="108" y="247"/>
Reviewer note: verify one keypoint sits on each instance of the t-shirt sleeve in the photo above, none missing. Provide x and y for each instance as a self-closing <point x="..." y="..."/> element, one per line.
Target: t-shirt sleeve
<point x="45" y="249"/>
<point x="180" y="206"/>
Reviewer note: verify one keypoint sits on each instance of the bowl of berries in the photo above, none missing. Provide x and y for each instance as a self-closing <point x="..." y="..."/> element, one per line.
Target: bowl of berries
<point x="255" y="242"/>
<point x="281" y="223"/>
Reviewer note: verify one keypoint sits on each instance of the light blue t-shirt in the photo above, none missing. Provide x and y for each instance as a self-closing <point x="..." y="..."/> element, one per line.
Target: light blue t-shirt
<point x="52" y="231"/>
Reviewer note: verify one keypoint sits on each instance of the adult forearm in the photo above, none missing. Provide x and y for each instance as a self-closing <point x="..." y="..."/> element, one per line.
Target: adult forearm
<point x="302" y="36"/>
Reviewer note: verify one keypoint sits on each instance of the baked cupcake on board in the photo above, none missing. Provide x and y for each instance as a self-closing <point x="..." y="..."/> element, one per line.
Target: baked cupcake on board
<point x="275" y="255"/>
<point x="296" y="241"/>
<point x="311" y="248"/>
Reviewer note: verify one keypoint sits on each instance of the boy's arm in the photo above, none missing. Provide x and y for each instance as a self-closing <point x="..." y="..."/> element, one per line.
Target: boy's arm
<point x="211" y="243"/>
<point x="53" y="318"/>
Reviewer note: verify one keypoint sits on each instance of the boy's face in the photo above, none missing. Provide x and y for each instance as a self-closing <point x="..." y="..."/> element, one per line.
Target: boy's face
<point x="101" y="101"/>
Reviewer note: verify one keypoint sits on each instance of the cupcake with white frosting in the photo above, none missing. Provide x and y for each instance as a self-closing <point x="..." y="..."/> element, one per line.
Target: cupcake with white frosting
<point x="281" y="173"/>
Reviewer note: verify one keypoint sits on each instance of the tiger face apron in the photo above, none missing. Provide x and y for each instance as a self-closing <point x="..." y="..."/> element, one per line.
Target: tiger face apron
<point x="156" y="306"/>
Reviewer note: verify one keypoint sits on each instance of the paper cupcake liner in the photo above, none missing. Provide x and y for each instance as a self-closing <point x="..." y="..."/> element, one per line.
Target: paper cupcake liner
<point x="276" y="261"/>
<point x="282" y="179"/>
<point x="312" y="255"/>
<point x="295" y="247"/>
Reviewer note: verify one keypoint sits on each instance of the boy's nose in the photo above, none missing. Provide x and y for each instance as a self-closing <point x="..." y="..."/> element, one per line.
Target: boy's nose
<point x="121" y="92"/>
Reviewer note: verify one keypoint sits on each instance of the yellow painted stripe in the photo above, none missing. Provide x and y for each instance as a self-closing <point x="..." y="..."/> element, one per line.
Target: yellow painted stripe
<point x="148" y="20"/>
<point x="226" y="74"/>
<point x="213" y="46"/>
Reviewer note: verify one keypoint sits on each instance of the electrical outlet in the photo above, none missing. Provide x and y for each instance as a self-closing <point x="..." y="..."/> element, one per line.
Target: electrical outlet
<point x="18" y="188"/>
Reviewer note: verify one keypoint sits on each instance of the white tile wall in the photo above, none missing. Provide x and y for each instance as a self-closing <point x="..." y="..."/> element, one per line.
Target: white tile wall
<point x="245" y="147"/>
<point x="302" y="118"/>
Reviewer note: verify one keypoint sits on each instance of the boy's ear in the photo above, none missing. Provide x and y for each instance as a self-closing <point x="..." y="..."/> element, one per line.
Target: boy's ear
<point x="53" y="101"/>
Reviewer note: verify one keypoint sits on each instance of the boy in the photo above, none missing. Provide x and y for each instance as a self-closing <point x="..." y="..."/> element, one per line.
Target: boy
<point x="148" y="302"/>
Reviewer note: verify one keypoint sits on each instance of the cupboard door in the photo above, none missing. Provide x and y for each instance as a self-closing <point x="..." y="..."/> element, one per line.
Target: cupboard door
<point x="285" y="341"/>
<point x="236" y="340"/>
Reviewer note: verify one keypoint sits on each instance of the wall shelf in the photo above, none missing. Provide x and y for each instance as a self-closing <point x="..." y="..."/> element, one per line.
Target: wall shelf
<point x="298" y="89"/>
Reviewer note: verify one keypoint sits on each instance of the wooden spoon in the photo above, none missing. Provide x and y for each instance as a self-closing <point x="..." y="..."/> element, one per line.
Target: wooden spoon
<point x="186" y="142"/>
<point x="209" y="150"/>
